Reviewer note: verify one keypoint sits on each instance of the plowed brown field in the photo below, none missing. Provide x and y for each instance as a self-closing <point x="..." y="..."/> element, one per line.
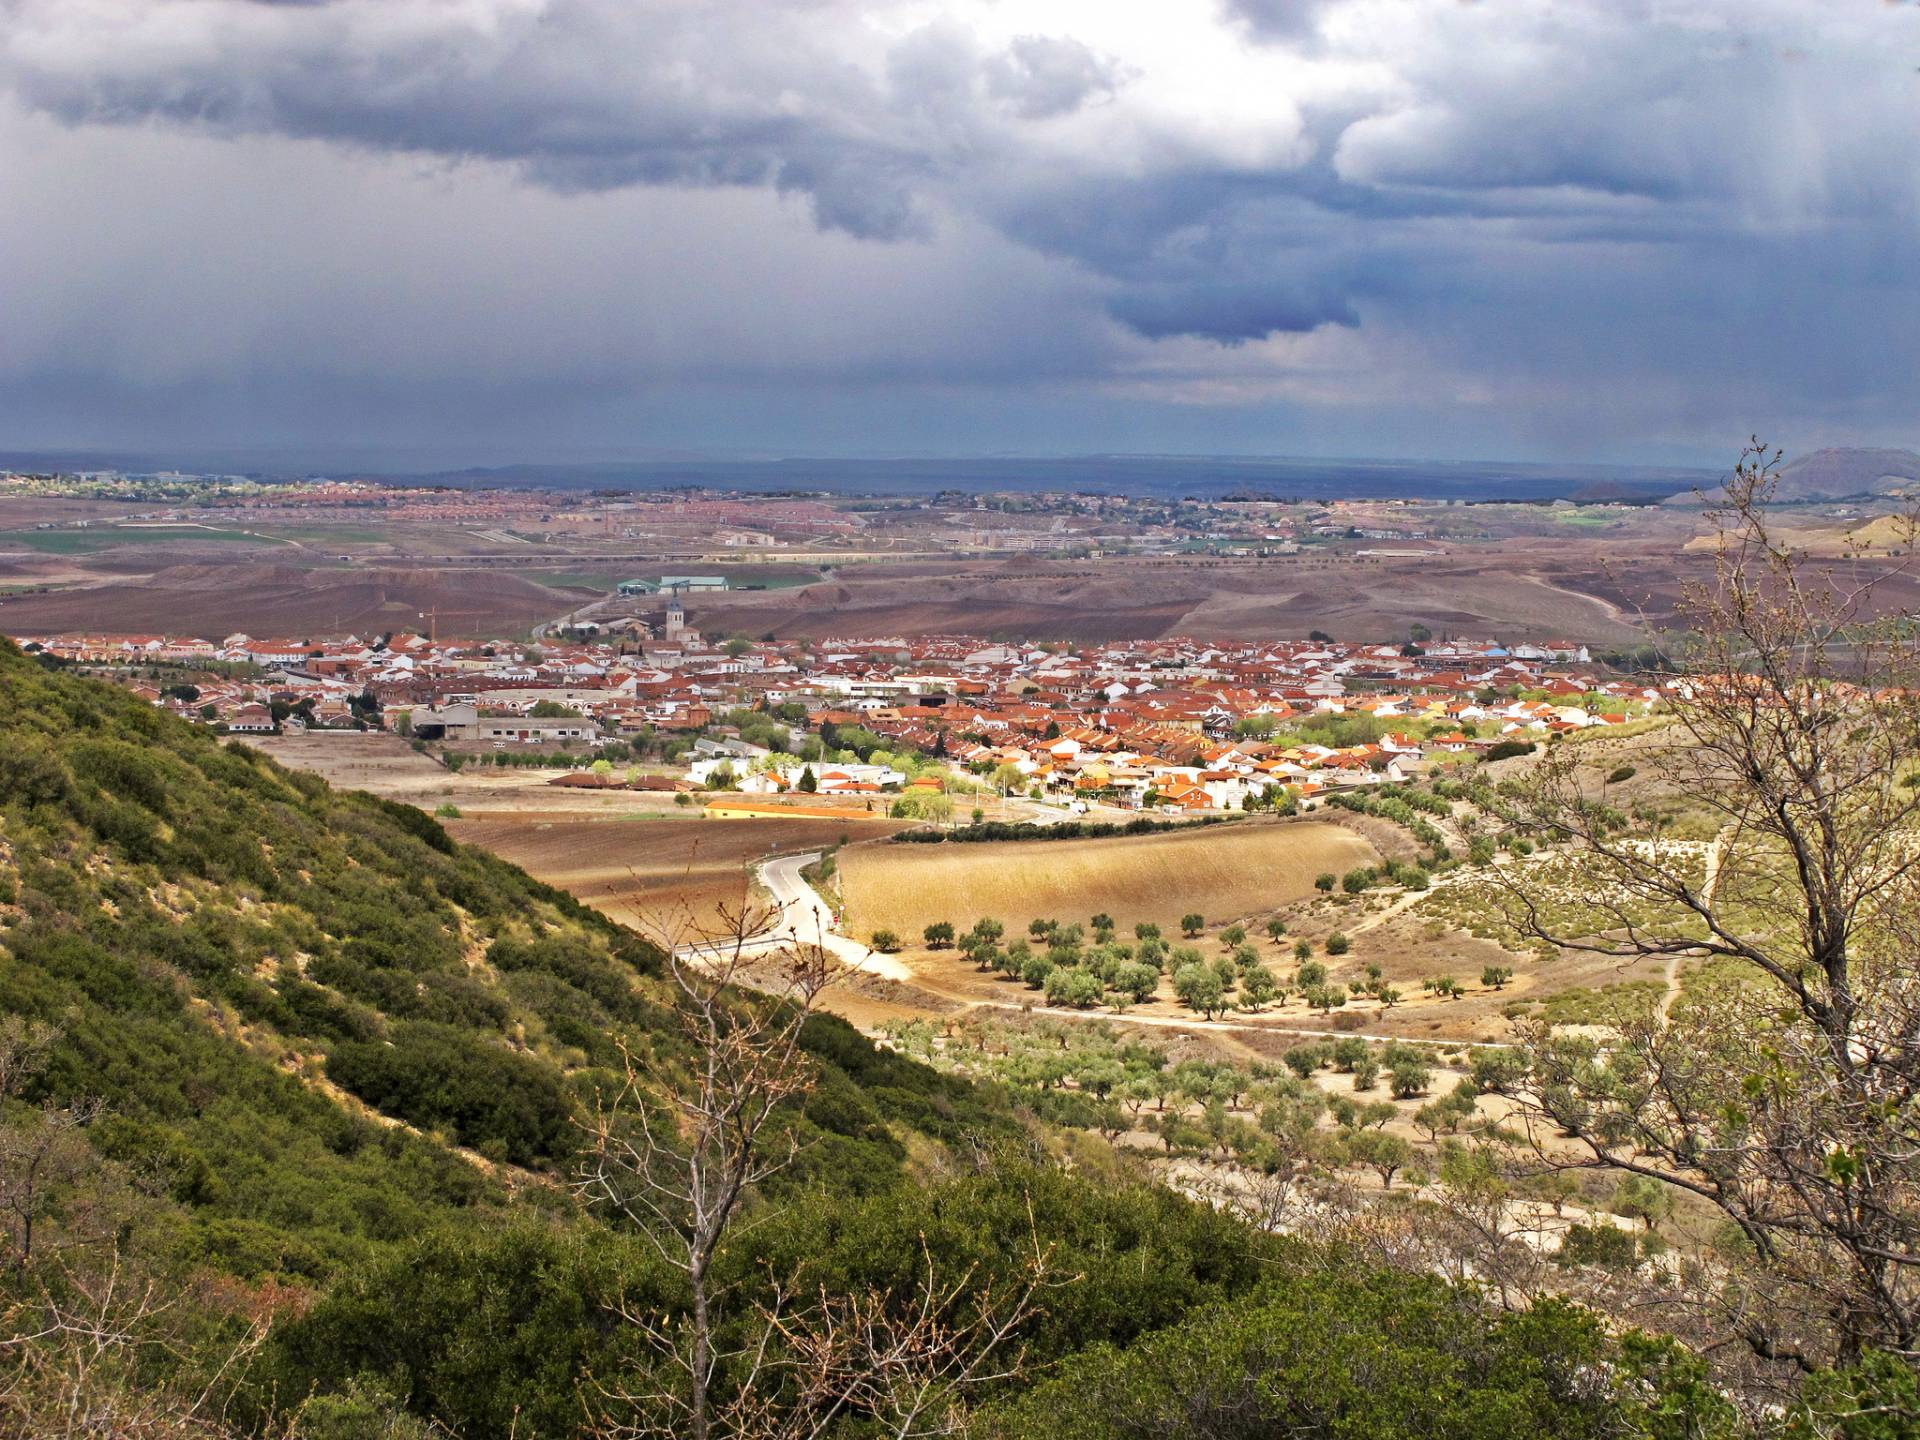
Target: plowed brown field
<point x="648" y="871"/>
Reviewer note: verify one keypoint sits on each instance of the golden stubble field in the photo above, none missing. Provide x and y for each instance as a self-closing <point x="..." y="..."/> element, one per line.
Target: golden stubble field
<point x="1219" y="871"/>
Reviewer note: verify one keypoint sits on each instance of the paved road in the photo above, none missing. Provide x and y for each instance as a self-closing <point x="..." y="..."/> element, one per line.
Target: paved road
<point x="804" y="919"/>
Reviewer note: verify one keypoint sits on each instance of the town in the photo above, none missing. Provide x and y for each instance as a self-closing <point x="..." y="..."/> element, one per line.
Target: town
<point x="1178" y="725"/>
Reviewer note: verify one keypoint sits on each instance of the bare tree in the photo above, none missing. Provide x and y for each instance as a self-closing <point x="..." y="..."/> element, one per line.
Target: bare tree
<point x="680" y="1144"/>
<point x="1480" y="1231"/>
<point x="903" y="1364"/>
<point x="77" y="1351"/>
<point x="1781" y="1088"/>
<point x="677" y="1150"/>
<point x="1271" y="1201"/>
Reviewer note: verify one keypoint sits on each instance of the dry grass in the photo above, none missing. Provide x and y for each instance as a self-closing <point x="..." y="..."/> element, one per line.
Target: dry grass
<point x="1221" y="872"/>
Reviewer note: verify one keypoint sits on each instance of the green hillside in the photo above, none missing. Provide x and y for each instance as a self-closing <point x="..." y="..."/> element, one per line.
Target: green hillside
<point x="261" y="976"/>
<point x="289" y="1082"/>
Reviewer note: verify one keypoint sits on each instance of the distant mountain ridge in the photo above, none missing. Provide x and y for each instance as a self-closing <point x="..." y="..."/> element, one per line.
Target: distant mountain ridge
<point x="1836" y="473"/>
<point x="1845" y="470"/>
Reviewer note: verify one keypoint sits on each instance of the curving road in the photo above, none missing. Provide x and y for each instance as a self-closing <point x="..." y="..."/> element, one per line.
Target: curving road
<point x="803" y="919"/>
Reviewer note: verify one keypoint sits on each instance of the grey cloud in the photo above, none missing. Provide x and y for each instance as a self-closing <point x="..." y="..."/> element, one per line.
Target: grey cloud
<point x="1232" y="312"/>
<point x="1041" y="77"/>
<point x="1506" y="114"/>
<point x="1524" y="183"/>
<point x="581" y="94"/>
<point x="1277" y="19"/>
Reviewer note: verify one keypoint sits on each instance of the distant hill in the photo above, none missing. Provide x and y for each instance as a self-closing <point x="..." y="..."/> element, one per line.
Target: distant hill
<point x="1832" y="474"/>
<point x="1837" y="473"/>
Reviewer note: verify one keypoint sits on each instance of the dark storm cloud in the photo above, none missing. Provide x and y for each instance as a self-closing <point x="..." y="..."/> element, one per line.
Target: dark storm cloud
<point x="581" y="94"/>
<point x="1494" y="188"/>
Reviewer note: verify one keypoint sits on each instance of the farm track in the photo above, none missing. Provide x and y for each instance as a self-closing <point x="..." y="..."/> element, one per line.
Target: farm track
<point x="969" y="1003"/>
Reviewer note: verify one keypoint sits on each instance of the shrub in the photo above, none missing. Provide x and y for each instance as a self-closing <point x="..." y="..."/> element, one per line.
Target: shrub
<point x="886" y="942"/>
<point x="1303" y="1060"/>
<point x="487" y="1097"/>
<point x="1606" y="1247"/>
<point x="1507" y="749"/>
<point x="1338" y="944"/>
<point x="1408" y="1077"/>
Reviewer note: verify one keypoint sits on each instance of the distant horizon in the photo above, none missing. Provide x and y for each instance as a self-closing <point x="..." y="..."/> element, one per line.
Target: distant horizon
<point x="341" y="462"/>
<point x="1133" y="474"/>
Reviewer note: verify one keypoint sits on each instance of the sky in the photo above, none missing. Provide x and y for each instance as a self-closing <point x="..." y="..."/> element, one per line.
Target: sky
<point x="444" y="232"/>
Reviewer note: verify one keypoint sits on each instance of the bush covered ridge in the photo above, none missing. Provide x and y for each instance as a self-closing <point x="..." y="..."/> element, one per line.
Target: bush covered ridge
<point x="219" y="940"/>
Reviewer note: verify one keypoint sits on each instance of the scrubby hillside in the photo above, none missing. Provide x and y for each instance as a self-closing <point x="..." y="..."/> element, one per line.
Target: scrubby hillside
<point x="292" y="995"/>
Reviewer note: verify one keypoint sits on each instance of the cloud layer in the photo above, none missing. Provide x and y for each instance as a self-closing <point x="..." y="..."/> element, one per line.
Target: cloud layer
<point x="1611" y="225"/>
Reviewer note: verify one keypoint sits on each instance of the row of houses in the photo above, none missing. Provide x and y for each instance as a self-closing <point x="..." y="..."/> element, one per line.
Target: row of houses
<point x="1177" y="722"/>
